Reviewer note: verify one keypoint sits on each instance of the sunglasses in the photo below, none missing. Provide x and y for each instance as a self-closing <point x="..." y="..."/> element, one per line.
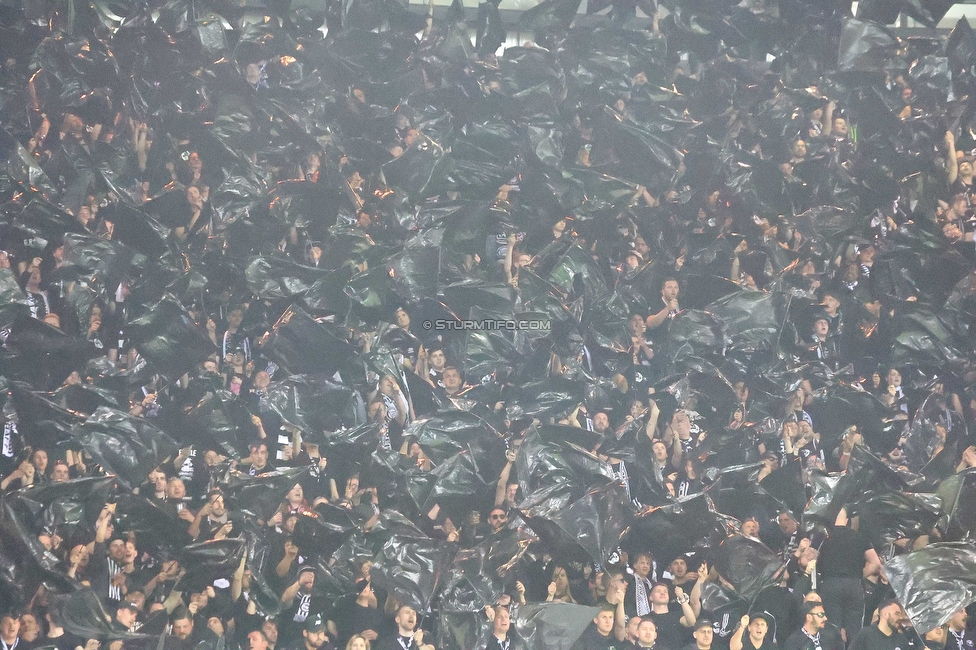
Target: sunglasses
<point x="818" y="614"/>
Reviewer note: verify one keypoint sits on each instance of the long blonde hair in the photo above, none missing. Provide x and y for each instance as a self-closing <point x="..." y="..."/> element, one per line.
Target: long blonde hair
<point x="566" y="596"/>
<point x="353" y="638"/>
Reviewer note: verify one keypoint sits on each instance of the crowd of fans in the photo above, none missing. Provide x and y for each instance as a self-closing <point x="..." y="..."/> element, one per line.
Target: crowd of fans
<point x="248" y="238"/>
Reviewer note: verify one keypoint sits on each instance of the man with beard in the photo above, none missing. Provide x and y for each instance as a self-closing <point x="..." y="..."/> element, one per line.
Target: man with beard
<point x="315" y="636"/>
<point x="886" y="634"/>
<point x="407" y="637"/>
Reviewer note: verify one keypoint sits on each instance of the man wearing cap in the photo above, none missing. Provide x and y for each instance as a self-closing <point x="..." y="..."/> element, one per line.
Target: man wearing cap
<point x="886" y="633"/>
<point x="297" y="603"/>
<point x="814" y="633"/>
<point x="125" y="617"/>
<point x="315" y="636"/>
<point x="408" y="636"/>
<point x="704" y="634"/>
<point x="758" y="637"/>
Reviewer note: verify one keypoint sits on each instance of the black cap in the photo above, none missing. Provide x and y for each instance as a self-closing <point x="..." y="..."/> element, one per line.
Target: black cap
<point x="315" y="624"/>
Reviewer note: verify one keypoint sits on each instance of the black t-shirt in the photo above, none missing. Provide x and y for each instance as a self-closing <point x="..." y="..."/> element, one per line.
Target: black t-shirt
<point x="828" y="638"/>
<point x="670" y="633"/>
<point x="871" y="638"/>
<point x="842" y="555"/>
<point x="591" y="639"/>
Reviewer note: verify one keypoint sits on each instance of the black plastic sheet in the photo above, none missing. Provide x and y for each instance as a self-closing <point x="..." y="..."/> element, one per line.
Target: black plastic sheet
<point x="411" y="569"/>
<point x="958" y="500"/>
<point x="586" y="528"/>
<point x="126" y="446"/>
<point x="259" y="496"/>
<point x="669" y="531"/>
<point x="748" y="565"/>
<point x="169" y="339"/>
<point x="934" y="582"/>
<point x="552" y="626"/>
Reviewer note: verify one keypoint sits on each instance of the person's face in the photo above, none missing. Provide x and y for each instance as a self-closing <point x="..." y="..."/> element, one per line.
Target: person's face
<point x="497" y="519"/>
<point x="438" y="360"/>
<point x="678" y="568"/>
<point x="816" y="115"/>
<point x="647" y="633"/>
<point x="703" y="636"/>
<point x="670" y="290"/>
<point x="894" y="378"/>
<point x="406" y="618"/>
<point x="511" y="492"/>
<point x="559" y="229"/>
<point x="660" y="451"/>
<point x="116" y="550"/>
<point x="352" y="485"/>
<point x="357" y="643"/>
<point x="786" y="523"/>
<point x="659" y="595"/>
<point x="741" y="391"/>
<point x="296" y="494"/>
<point x="601" y="422"/>
<point x="817" y="618"/>
<point x="234" y="318"/>
<point x="642" y="566"/>
<point x="270" y="629"/>
<point x="377" y="411"/>
<point x="28" y="626"/>
<point x="965" y="168"/>
<point x="758" y="628"/>
<point x="959" y="619"/>
<point x="402" y="319"/>
<point x="159" y="481"/>
<point x="799" y="149"/>
<point x="259" y="456"/>
<point x="60" y="473"/>
<point x="195" y="163"/>
<point x="560" y="578"/>
<point x="256" y="641"/>
<point x="938" y="635"/>
<point x="81" y="553"/>
<point x="604" y="622"/>
<point x="821" y="327"/>
<point x="750" y="528"/>
<point x="131" y="552"/>
<point x="183" y="628"/>
<point x="40" y="460"/>
<point x="452" y="379"/>
<point x="9" y="627"/>
<point x="126" y="616"/>
<point x="831" y="304"/>
<point x="840" y="126"/>
<point x="637" y="325"/>
<point x="217" y="506"/>
<point x="315" y="639"/>
<point x="503" y="621"/>
<point x="681" y="424"/>
<point x="866" y="255"/>
<point x="175" y="489"/>
<point x="632" y="624"/>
